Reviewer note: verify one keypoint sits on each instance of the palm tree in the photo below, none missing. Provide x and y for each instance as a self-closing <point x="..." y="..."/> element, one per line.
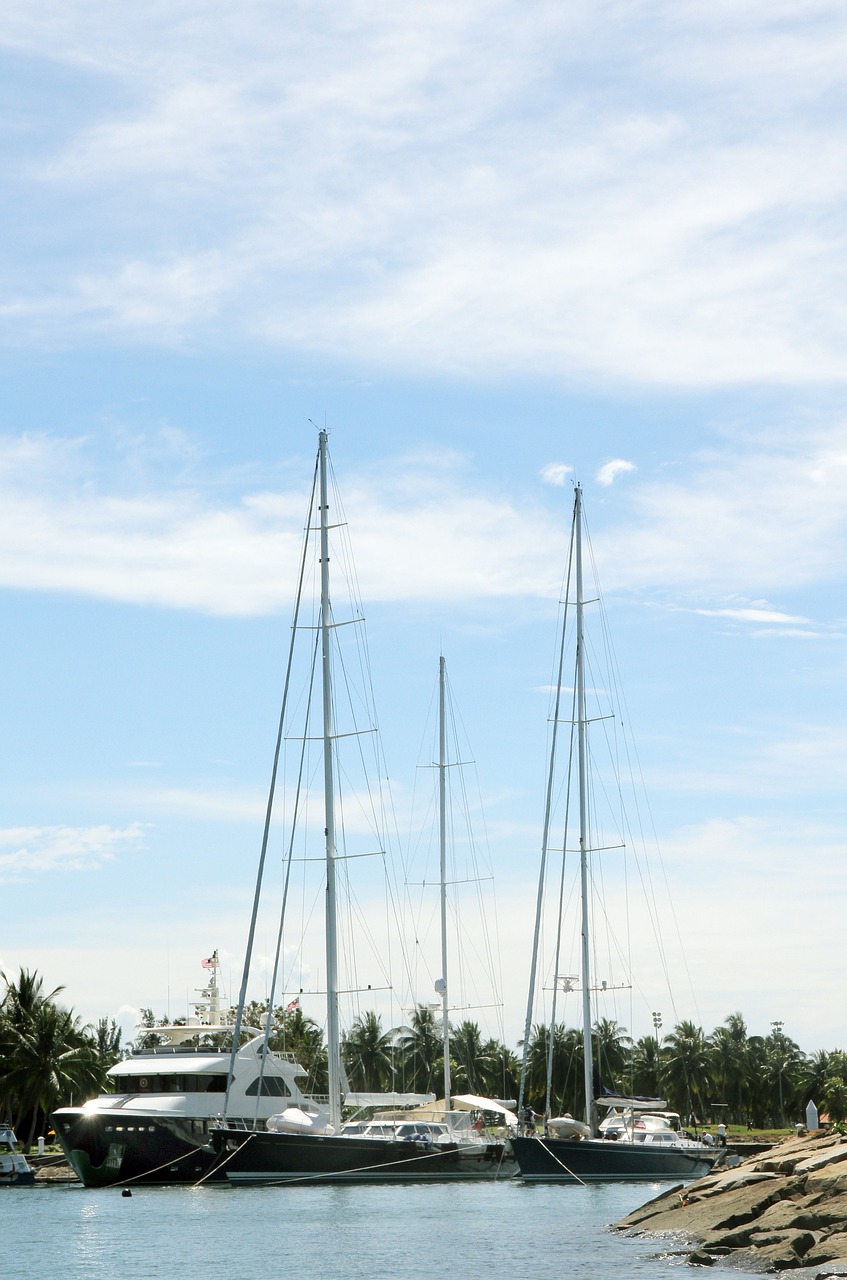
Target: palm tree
<point x="686" y="1068"/>
<point x="422" y="1050"/>
<point x="53" y="1061"/>
<point x="501" y="1078"/>
<point x="784" y="1074"/>
<point x="366" y="1050"/>
<point x="760" y="1100"/>
<point x="21" y="1008"/>
<point x="611" y="1053"/>
<point x="296" y="1034"/>
<point x="472" y="1059"/>
<point x="730" y="1063"/>
<point x="21" y="999"/>
<point x="566" y="1085"/>
<point x="646" y="1068"/>
<point x="819" y="1068"/>
<point x="835" y="1098"/>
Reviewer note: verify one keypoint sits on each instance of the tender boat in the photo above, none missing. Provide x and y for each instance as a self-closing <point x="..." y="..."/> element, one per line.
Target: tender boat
<point x="15" y="1169"/>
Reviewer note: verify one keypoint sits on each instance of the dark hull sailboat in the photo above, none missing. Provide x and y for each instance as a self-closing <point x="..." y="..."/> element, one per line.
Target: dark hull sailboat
<point x="323" y="1152"/>
<point x="254" y="1158"/>
<point x="599" y="1160"/>
<point x="638" y="1154"/>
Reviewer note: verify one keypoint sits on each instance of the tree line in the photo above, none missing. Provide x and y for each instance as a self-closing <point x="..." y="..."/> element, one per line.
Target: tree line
<point x="49" y="1059"/>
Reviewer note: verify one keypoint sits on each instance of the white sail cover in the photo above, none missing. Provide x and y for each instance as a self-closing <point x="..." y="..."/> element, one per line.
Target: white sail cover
<point x="295" y="1120"/>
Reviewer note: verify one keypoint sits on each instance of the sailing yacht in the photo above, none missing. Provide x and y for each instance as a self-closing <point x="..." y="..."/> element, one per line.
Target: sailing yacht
<point x="571" y="1151"/>
<point x="294" y="1149"/>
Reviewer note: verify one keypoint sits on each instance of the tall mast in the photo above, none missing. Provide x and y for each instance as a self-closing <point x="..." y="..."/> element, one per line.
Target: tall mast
<point x="590" y="1108"/>
<point x="332" y="1029"/>
<point x="442" y="840"/>
<point x="545" y="841"/>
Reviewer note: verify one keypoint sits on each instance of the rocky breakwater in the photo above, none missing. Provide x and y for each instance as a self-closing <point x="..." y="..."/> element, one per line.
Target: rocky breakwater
<point x="786" y="1209"/>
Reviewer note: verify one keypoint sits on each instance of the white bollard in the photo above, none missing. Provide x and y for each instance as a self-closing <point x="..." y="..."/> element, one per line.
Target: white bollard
<point x="41" y="1146"/>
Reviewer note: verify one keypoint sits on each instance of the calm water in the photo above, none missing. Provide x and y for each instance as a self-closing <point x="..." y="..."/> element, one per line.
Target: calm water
<point x="502" y="1231"/>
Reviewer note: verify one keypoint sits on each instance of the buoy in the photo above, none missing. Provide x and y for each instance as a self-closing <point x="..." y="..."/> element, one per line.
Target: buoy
<point x="126" y="1192"/>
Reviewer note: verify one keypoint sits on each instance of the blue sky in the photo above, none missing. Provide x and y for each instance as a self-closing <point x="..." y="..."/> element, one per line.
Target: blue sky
<point x="493" y="246"/>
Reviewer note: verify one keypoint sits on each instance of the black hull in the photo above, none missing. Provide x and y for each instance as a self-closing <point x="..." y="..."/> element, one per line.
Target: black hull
<point x="598" y="1160"/>
<point x="106" y="1149"/>
<point x="274" y="1158"/>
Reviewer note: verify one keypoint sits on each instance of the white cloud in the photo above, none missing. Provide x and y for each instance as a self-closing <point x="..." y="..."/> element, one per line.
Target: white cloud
<point x="609" y="472"/>
<point x="345" y="178"/>
<point x="555" y="473"/>
<point x="753" y="615"/>
<point x="738" y="526"/>
<point x="30" y="851"/>
<point x="185" y="548"/>
<point x="718" y="542"/>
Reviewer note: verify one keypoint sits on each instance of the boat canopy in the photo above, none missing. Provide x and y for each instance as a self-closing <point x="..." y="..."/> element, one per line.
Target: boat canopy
<point x="473" y="1102"/>
<point x="459" y="1102"/>
<point x="388" y="1099"/>
<point x="631" y="1104"/>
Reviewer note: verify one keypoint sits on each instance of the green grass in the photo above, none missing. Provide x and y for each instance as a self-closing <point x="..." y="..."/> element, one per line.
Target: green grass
<point x="740" y="1132"/>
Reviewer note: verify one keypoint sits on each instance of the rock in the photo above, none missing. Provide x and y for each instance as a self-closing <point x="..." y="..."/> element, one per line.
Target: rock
<point x="830" y="1179"/>
<point x="782" y="1252"/>
<point x="665" y="1200"/>
<point x="822" y="1161"/>
<point x="828" y="1210"/>
<point x="831" y="1247"/>
<point x="749" y="1202"/>
<point x="716" y="1184"/>
<point x="779" y="1212"/>
<point x="801" y="1214"/>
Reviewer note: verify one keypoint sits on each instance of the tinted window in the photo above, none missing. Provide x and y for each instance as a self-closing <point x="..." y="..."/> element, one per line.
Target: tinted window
<point x="272" y="1087"/>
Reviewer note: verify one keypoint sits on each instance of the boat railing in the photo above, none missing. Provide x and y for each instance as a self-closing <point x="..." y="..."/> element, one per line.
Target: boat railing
<point x="169" y="1050"/>
<point x="238" y="1122"/>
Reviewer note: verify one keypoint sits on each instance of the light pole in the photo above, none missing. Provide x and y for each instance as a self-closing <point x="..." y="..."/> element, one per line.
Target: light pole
<point x="657" y="1026"/>
<point x="778" y="1042"/>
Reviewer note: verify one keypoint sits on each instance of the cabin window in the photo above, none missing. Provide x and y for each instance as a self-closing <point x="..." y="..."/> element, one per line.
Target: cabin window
<point x="173" y="1084"/>
<point x="272" y="1087"/>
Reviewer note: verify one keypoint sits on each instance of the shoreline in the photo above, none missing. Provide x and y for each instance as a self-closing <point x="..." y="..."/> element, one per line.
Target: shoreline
<point x="782" y="1210"/>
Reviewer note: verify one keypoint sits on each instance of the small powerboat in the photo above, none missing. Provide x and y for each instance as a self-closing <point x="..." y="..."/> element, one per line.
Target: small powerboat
<point x="15" y="1169"/>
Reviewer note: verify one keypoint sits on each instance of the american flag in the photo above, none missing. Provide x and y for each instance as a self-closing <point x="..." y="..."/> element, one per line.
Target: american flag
<point x="295" y="1004"/>
<point x="212" y="962"/>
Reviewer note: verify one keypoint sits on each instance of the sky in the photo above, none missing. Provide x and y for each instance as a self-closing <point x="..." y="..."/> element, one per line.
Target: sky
<point x="495" y="249"/>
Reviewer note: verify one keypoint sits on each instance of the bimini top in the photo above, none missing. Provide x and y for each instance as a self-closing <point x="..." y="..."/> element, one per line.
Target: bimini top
<point x="631" y="1104"/>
